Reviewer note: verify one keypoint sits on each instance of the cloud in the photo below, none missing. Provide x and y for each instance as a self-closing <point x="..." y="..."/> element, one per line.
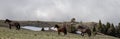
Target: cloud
<point x="61" y="10"/>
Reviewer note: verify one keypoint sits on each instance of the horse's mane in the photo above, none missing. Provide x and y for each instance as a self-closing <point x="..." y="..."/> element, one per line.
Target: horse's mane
<point x="57" y="26"/>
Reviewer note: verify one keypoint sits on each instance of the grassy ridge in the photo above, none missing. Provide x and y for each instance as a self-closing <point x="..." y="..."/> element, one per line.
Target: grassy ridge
<point x="5" y="33"/>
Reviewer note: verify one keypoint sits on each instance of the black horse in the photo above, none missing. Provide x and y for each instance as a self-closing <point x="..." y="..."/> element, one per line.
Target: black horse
<point x="61" y="29"/>
<point x="11" y="23"/>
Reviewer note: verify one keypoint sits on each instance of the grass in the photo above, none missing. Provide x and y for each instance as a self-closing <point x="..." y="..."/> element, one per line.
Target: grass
<point x="6" y="33"/>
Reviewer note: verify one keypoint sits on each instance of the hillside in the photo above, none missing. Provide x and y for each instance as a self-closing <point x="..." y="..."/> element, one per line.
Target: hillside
<point x="5" y="33"/>
<point x="32" y="23"/>
<point x="44" y="23"/>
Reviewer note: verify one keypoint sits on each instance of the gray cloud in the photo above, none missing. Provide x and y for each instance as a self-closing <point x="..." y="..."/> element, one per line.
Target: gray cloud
<point x="61" y="10"/>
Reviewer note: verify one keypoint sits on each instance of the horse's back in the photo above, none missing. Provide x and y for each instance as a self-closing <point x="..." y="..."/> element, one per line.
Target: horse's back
<point x="14" y="24"/>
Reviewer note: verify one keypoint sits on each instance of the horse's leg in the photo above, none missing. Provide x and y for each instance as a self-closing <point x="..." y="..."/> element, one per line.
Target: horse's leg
<point x="58" y="32"/>
<point x="89" y="33"/>
<point x="82" y="34"/>
<point x="9" y="26"/>
<point x="18" y="27"/>
<point x="65" y="32"/>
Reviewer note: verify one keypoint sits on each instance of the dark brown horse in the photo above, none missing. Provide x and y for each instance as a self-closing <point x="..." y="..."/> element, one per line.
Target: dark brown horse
<point x="61" y="29"/>
<point x="84" y="29"/>
<point x="11" y="23"/>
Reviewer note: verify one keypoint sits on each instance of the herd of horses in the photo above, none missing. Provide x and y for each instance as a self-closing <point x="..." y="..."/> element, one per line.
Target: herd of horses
<point x="82" y="29"/>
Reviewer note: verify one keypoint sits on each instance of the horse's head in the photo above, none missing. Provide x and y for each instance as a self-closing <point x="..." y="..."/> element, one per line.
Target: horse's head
<point x="56" y="26"/>
<point x="7" y="21"/>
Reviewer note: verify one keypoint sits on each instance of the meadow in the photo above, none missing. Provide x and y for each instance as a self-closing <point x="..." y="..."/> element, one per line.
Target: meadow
<point x="6" y="33"/>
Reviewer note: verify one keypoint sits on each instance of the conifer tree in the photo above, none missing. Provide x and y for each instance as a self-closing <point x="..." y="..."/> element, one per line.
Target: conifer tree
<point x="100" y="26"/>
<point x="104" y="28"/>
<point x="107" y="27"/>
<point x="94" y="29"/>
<point x="111" y="30"/>
<point x="72" y="27"/>
<point x="118" y="28"/>
<point x="73" y="20"/>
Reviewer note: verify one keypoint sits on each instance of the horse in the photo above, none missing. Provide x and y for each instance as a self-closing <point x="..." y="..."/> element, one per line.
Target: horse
<point x="83" y="30"/>
<point x="11" y="23"/>
<point x="61" y="29"/>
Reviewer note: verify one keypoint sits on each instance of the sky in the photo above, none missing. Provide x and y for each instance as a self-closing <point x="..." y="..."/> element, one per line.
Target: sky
<point x="61" y="10"/>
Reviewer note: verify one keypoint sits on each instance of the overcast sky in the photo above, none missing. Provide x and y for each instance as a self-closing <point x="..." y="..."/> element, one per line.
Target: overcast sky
<point x="61" y="10"/>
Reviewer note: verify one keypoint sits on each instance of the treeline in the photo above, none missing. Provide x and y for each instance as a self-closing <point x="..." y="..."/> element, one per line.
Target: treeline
<point x="107" y="29"/>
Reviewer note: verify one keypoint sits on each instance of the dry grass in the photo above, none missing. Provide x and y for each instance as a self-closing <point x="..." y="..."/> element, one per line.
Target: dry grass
<point x="5" y="33"/>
